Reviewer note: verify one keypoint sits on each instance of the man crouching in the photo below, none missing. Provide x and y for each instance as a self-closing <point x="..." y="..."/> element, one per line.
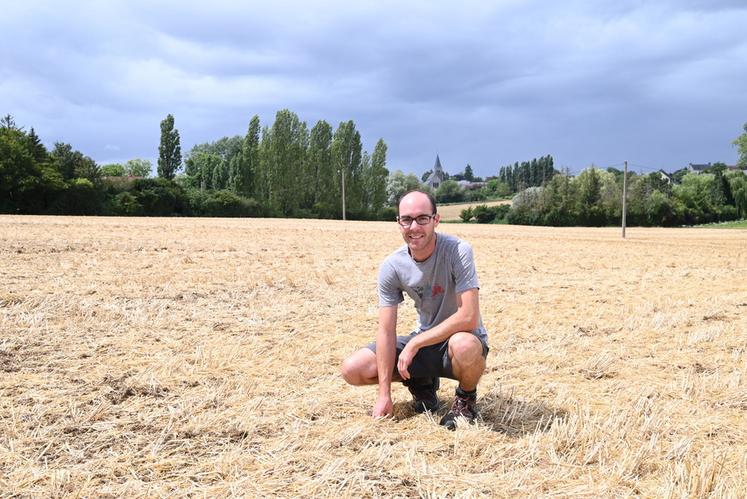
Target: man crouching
<point x="438" y="272"/>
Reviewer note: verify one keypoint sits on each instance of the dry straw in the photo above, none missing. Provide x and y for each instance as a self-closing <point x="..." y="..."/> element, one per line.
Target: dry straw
<point x="162" y="357"/>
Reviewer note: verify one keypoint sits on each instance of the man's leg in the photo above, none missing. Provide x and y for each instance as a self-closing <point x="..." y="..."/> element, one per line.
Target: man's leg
<point x="360" y="368"/>
<point x="467" y="357"/>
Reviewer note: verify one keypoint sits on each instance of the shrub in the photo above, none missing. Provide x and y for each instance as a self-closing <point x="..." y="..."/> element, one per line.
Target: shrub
<point x="326" y="210"/>
<point x="501" y="211"/>
<point x="79" y="198"/>
<point x="483" y="214"/>
<point x="467" y="215"/>
<point x="387" y="214"/>
<point x="125" y="204"/>
<point x="228" y="204"/>
<point x="160" y="197"/>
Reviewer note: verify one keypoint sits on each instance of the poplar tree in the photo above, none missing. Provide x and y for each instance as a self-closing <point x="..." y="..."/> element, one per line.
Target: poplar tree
<point x="249" y="159"/>
<point x="319" y="167"/>
<point x="284" y="161"/>
<point x="169" y="149"/>
<point x="378" y="177"/>
<point x="346" y="161"/>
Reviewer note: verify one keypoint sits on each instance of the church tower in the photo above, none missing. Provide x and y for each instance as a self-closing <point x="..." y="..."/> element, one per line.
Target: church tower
<point x="437" y="176"/>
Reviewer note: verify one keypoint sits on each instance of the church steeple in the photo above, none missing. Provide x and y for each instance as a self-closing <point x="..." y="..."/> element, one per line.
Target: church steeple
<point x="437" y="175"/>
<point x="437" y="167"/>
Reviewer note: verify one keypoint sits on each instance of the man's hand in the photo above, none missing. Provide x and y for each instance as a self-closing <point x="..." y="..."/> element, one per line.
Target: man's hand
<point x="383" y="407"/>
<point x="405" y="359"/>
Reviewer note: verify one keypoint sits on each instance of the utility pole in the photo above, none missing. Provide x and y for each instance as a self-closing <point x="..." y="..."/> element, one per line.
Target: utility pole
<point x="342" y="174"/>
<point x="625" y="196"/>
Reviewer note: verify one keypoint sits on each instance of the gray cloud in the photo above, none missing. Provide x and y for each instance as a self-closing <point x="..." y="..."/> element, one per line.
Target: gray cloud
<point x="480" y="83"/>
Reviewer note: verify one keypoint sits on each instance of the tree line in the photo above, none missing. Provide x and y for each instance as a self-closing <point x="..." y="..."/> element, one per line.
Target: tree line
<point x="292" y="171"/>
<point x="287" y="169"/>
<point x="532" y="173"/>
<point x="282" y="169"/>
<point x="510" y="179"/>
<point x="594" y="198"/>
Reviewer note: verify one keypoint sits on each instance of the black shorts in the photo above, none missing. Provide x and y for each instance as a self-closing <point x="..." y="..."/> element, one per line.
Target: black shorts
<point x="430" y="362"/>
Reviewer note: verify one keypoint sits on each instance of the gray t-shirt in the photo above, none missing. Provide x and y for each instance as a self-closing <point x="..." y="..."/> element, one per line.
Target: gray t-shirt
<point x="433" y="284"/>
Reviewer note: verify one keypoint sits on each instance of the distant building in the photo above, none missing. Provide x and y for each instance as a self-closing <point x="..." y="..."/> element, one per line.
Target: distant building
<point x="665" y="176"/>
<point x="436" y="177"/>
<point x="698" y="168"/>
<point x="469" y="185"/>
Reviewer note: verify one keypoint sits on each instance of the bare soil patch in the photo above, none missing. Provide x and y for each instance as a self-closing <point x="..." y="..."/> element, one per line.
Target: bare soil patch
<point x="152" y="357"/>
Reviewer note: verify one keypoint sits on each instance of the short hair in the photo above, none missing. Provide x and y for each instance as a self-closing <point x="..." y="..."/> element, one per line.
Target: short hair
<point x="427" y="193"/>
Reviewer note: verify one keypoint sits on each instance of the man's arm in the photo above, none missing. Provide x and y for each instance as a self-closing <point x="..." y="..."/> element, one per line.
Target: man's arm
<point x="466" y="318"/>
<point x="386" y="352"/>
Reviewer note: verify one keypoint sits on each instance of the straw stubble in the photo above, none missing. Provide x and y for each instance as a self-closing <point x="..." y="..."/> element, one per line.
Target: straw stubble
<point x="200" y="356"/>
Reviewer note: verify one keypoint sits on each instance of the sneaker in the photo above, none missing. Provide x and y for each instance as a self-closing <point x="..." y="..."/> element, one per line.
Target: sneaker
<point x="463" y="406"/>
<point x="424" y="396"/>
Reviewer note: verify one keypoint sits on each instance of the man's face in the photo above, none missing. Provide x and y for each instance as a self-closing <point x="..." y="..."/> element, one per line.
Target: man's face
<point x="420" y="239"/>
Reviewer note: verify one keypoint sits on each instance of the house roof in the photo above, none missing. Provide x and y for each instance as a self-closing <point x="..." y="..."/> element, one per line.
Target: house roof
<point x="699" y="166"/>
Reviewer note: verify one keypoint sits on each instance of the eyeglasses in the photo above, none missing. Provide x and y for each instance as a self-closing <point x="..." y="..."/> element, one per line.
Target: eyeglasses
<point x="420" y="219"/>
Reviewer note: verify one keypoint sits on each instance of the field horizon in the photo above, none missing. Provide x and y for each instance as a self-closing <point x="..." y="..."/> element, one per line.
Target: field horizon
<point x="183" y="356"/>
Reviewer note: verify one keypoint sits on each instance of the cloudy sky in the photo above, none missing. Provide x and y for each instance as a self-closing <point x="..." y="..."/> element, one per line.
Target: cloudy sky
<point x="657" y="83"/>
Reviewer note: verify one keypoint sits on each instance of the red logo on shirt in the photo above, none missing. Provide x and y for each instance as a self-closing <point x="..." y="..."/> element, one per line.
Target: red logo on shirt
<point x="437" y="290"/>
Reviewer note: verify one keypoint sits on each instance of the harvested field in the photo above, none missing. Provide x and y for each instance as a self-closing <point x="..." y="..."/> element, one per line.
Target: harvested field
<point x="452" y="211"/>
<point x="153" y="357"/>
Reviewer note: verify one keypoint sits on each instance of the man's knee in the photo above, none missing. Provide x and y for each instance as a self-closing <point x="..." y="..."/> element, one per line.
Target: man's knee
<point x="348" y="371"/>
<point x="465" y="347"/>
<point x="356" y="368"/>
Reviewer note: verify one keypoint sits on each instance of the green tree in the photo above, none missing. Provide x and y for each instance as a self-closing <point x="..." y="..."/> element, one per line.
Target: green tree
<point x="138" y="168"/>
<point x="113" y="170"/>
<point x="220" y="173"/>
<point x="8" y="123"/>
<point x="263" y="177"/>
<point x="282" y="165"/>
<point x="377" y="178"/>
<point x="698" y="194"/>
<point x="398" y="183"/>
<point x="203" y="169"/>
<point x="468" y="174"/>
<point x="346" y="161"/>
<point x="741" y="144"/>
<point x="323" y="198"/>
<point x="213" y="165"/>
<point x="738" y="184"/>
<point x="589" y="195"/>
<point x="18" y="171"/>
<point x="169" y="149"/>
<point x="496" y="188"/>
<point x="249" y="159"/>
<point x="449" y="192"/>
<point x="36" y="148"/>
<point x="73" y="164"/>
